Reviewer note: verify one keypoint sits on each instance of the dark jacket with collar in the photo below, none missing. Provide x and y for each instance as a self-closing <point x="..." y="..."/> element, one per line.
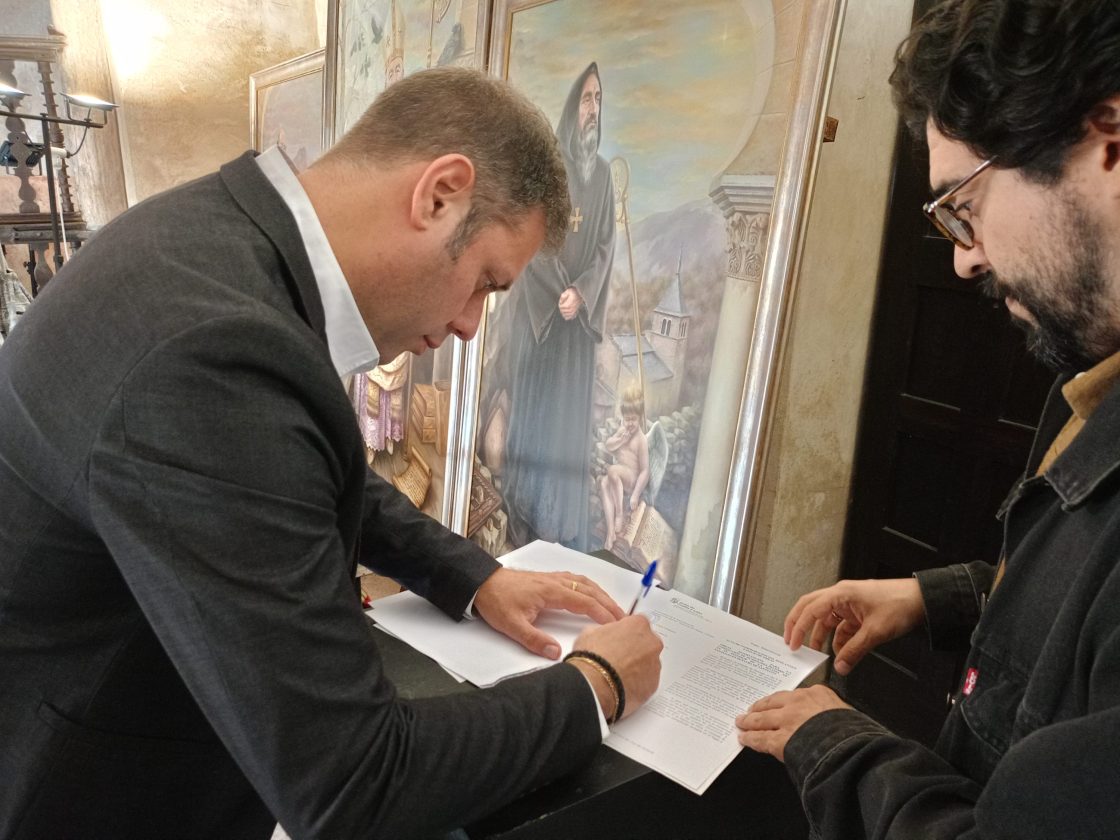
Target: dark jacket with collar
<point x="182" y="491"/>
<point x="1031" y="747"/>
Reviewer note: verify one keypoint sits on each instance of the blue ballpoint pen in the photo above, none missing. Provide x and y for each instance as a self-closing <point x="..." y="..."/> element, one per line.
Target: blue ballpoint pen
<point x="647" y="582"/>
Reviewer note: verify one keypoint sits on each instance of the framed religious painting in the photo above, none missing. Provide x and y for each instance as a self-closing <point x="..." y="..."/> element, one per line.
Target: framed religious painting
<point x="404" y="405"/>
<point x="605" y="401"/>
<point x="286" y="108"/>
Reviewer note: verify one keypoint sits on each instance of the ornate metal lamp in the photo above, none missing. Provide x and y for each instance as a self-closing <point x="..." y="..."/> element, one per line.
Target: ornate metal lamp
<point x="30" y="154"/>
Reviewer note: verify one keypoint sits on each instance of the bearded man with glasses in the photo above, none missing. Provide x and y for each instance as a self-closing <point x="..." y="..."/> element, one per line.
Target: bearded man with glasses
<point x="1019" y="102"/>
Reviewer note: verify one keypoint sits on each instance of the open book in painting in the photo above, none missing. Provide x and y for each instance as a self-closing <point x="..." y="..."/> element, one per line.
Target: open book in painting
<point x="647" y="537"/>
<point x="416" y="479"/>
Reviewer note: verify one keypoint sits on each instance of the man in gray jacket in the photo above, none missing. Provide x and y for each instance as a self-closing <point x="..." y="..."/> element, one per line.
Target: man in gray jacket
<point x="185" y="496"/>
<point x="1019" y="101"/>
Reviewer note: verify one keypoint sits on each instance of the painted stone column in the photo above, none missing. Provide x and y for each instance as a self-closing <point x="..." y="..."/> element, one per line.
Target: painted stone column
<point x="745" y="201"/>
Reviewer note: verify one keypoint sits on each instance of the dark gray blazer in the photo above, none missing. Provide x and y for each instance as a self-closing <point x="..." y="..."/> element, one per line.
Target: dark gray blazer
<point x="183" y="491"/>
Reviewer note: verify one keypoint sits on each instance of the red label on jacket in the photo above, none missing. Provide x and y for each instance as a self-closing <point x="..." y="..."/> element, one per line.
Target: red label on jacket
<point x="970" y="681"/>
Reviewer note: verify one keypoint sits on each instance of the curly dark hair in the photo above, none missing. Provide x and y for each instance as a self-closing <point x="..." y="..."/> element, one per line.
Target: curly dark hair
<point x="1016" y="79"/>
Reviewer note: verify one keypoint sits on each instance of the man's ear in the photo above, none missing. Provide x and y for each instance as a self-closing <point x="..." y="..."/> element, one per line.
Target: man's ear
<point x="442" y="195"/>
<point x="1104" y="128"/>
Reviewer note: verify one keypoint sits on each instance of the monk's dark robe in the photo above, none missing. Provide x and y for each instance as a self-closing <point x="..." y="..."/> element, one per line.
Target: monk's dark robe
<point x="552" y="360"/>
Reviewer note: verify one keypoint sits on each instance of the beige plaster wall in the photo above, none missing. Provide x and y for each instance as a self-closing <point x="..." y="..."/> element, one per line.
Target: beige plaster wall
<point x="805" y="483"/>
<point x="181" y="75"/>
<point x="179" y="71"/>
<point x="98" y="169"/>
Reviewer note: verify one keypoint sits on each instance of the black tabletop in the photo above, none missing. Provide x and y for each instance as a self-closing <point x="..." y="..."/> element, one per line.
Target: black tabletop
<point x="615" y="797"/>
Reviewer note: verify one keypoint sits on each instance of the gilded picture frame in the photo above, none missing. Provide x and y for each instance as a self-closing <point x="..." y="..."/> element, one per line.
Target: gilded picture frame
<point x="286" y="108"/>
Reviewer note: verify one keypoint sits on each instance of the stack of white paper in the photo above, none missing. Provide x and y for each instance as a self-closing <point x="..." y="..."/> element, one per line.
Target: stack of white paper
<point x="713" y="667"/>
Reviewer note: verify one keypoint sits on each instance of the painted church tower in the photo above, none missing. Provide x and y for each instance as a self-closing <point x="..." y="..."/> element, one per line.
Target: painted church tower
<point x="668" y="333"/>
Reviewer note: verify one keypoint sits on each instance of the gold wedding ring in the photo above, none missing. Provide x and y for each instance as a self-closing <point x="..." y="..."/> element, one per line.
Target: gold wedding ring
<point x="575" y="586"/>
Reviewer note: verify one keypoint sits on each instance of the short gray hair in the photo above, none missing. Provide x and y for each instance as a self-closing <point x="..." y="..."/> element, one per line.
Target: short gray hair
<point x="454" y="110"/>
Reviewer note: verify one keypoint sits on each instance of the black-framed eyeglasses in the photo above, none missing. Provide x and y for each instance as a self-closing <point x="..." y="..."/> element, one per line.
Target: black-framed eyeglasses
<point x="945" y="218"/>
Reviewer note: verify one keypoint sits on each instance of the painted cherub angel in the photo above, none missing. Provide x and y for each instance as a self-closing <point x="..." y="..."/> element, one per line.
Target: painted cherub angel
<point x="627" y="477"/>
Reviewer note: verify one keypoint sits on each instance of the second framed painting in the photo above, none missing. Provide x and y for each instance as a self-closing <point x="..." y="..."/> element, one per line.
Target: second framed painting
<point x="286" y="108"/>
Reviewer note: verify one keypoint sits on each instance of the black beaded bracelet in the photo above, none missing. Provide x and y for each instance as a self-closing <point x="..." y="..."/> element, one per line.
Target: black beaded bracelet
<point x="611" y="672"/>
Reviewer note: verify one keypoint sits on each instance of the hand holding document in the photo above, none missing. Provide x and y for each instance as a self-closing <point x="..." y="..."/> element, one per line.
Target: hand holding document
<point x="714" y="665"/>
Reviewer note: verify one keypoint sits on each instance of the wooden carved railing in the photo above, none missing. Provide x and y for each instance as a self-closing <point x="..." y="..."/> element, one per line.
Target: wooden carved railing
<point x="26" y="221"/>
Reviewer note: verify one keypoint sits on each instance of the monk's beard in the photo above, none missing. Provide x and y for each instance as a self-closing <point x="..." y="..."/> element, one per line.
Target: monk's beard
<point x="588" y="149"/>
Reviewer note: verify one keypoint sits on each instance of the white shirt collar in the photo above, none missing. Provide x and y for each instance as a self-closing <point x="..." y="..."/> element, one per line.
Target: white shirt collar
<point x="349" y="342"/>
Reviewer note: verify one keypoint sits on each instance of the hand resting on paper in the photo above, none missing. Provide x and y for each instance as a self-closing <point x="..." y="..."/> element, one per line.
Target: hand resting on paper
<point x="863" y="614"/>
<point x="510" y="601"/>
<point x="768" y="725"/>
<point x="633" y="650"/>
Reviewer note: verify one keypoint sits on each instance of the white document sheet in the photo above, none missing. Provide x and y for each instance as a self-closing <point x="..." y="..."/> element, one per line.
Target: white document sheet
<point x="713" y="667"/>
<point x="472" y="649"/>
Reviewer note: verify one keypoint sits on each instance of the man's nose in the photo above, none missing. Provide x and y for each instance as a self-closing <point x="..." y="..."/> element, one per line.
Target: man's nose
<point x="465" y="324"/>
<point x="972" y="262"/>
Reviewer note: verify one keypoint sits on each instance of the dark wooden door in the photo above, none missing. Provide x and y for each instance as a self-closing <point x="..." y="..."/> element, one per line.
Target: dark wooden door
<point x="950" y="405"/>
